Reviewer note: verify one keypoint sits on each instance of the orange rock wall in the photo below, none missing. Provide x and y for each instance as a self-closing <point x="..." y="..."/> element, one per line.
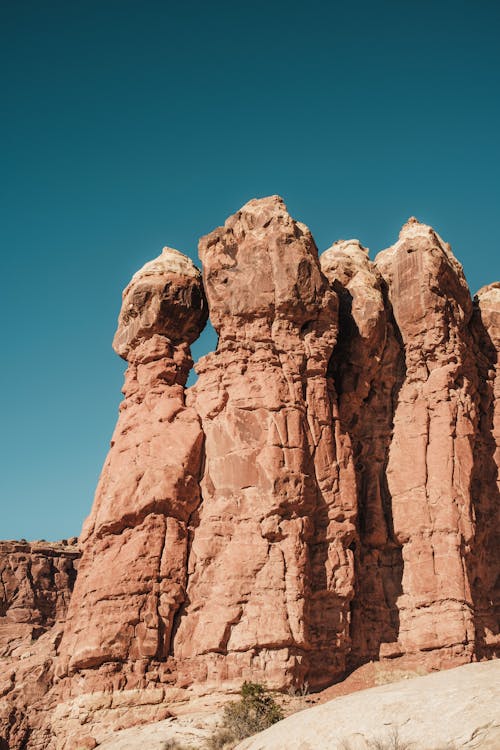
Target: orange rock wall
<point x="325" y="495"/>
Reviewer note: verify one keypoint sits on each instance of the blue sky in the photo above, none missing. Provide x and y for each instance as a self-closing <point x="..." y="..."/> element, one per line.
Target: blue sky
<point x="128" y="125"/>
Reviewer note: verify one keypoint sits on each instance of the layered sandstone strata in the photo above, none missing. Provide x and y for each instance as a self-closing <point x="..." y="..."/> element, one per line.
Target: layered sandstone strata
<point x="270" y="570"/>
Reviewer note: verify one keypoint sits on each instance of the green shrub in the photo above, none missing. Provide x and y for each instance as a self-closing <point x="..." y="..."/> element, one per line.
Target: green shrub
<point x="390" y="741"/>
<point x="255" y="711"/>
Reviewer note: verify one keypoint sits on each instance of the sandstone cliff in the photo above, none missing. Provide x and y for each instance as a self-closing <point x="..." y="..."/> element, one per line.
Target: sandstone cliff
<point x="37" y="579"/>
<point x="326" y="494"/>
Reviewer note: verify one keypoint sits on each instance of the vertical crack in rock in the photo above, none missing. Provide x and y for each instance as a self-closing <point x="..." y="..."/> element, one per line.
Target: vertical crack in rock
<point x="367" y="368"/>
<point x="484" y="559"/>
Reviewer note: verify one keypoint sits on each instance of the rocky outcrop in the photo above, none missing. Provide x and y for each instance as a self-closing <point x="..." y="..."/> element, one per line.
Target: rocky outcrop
<point x="367" y="368"/>
<point x="133" y="574"/>
<point x="431" y="455"/>
<point x="325" y="495"/>
<point x="457" y="708"/>
<point x="270" y="569"/>
<point x="37" y="579"/>
<point x="484" y="563"/>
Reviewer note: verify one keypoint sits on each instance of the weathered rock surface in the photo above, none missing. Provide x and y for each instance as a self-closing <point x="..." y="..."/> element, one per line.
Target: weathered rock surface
<point x="37" y="580"/>
<point x="327" y="493"/>
<point x="456" y="708"/>
<point x="431" y="456"/>
<point x="270" y="569"/>
<point x="133" y="573"/>
<point x="367" y="369"/>
<point x="484" y="563"/>
<point x="191" y="729"/>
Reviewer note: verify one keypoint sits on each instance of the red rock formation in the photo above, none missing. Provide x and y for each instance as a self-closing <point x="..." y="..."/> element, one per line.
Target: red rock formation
<point x="431" y="457"/>
<point x="37" y="579"/>
<point x="484" y="562"/>
<point x="270" y="569"/>
<point x="367" y="368"/>
<point x="132" y="576"/>
<point x="327" y="493"/>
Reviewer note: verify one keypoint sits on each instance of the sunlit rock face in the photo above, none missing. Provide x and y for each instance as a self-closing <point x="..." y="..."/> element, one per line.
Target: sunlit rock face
<point x="36" y="581"/>
<point x="431" y="456"/>
<point x="326" y="494"/>
<point x="165" y="298"/>
<point x="133" y="573"/>
<point x="270" y="569"/>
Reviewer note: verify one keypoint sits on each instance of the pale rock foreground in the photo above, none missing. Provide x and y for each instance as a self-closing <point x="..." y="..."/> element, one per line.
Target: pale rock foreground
<point x="454" y="709"/>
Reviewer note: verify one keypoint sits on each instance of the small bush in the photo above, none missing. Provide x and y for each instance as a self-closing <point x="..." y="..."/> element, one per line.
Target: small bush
<point x="220" y="740"/>
<point x="173" y="745"/>
<point x="255" y="711"/>
<point x="392" y="741"/>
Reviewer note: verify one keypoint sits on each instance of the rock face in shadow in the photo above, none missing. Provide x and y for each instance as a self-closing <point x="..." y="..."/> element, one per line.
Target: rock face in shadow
<point x="484" y="563"/>
<point x="368" y="368"/>
<point x="326" y="494"/>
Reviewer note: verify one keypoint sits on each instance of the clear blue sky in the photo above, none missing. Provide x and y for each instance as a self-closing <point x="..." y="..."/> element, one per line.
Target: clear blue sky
<point x="128" y="125"/>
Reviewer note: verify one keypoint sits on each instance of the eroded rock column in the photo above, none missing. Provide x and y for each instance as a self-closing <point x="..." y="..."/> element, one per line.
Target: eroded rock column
<point x="132" y="576"/>
<point x="432" y="451"/>
<point x="270" y="569"/>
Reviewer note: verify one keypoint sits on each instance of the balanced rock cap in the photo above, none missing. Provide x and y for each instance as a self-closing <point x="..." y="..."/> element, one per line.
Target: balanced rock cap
<point x="262" y="264"/>
<point x="165" y="297"/>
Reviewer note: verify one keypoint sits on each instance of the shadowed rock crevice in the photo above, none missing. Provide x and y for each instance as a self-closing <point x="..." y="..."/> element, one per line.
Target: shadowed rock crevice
<point x="483" y="559"/>
<point x="367" y="369"/>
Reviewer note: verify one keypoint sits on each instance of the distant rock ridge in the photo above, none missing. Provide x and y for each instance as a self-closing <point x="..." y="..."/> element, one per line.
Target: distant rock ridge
<point x="325" y="495"/>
